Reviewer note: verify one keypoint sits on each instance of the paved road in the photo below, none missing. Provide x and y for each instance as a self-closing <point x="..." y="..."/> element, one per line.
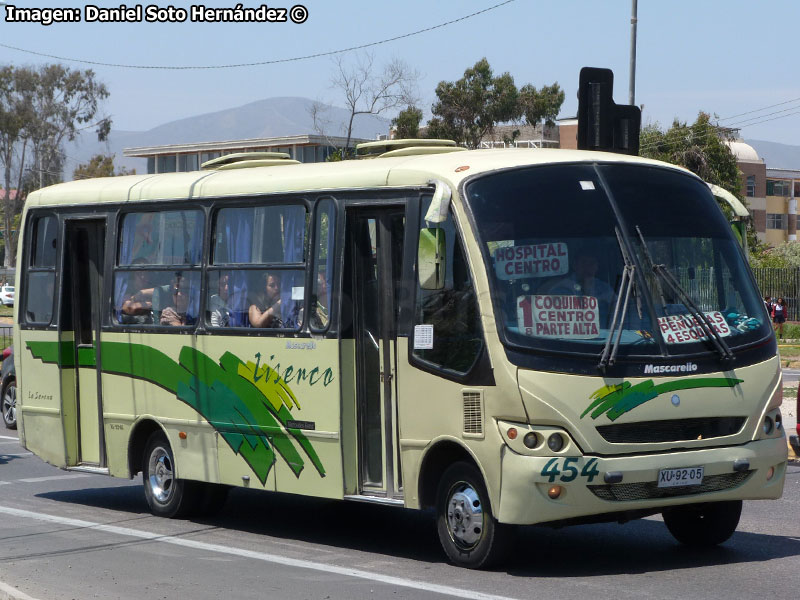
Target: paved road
<point x="69" y="535"/>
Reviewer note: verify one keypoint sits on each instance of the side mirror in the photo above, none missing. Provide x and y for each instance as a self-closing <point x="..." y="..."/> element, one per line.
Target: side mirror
<point x="431" y="258"/>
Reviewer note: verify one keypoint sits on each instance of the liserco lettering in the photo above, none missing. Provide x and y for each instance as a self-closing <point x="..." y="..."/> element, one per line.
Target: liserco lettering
<point x="689" y="367"/>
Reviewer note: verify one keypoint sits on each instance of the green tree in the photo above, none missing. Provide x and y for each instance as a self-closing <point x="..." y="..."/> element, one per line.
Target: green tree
<point x="40" y="109"/>
<point x="406" y="123"/>
<point x="100" y="165"/>
<point x="702" y="148"/>
<point x="469" y="109"/>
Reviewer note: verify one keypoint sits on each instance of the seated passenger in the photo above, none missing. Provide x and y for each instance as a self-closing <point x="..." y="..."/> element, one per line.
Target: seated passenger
<point x="176" y="311"/>
<point x="137" y="308"/>
<point x="218" y="303"/>
<point x="265" y="311"/>
<point x="319" y="315"/>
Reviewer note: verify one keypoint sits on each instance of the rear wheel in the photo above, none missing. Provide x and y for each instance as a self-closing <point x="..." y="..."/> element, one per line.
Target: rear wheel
<point x="9" y="402"/>
<point x="470" y="535"/>
<point x="703" y="525"/>
<point x="166" y="495"/>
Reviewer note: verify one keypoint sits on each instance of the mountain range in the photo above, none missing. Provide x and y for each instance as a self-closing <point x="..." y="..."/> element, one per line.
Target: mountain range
<point x="286" y="116"/>
<point x="777" y="156"/>
<point x="272" y="117"/>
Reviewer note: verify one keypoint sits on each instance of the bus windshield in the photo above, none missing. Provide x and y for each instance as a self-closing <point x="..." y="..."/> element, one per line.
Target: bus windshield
<point x="568" y="246"/>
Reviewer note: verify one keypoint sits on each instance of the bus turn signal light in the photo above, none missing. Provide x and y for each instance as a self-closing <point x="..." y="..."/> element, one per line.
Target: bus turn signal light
<point x="182" y="435"/>
<point x="512" y="433"/>
<point x="554" y="491"/>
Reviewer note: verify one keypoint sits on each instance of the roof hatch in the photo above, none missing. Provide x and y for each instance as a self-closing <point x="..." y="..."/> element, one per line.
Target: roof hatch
<point x="410" y="147"/>
<point x="245" y="160"/>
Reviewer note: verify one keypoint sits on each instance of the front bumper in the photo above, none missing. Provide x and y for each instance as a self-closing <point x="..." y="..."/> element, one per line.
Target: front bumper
<point x="526" y="480"/>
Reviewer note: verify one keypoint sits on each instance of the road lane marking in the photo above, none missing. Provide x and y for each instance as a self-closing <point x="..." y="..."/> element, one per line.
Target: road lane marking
<point x="7" y="591"/>
<point x="262" y="556"/>
<point x="52" y="478"/>
<point x="16" y="454"/>
<point x="8" y="437"/>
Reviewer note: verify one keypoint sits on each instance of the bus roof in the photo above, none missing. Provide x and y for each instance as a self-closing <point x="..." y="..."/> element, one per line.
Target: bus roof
<point x="313" y="177"/>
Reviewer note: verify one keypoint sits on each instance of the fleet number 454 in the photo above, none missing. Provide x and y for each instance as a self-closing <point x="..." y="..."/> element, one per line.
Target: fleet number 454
<point x="566" y="469"/>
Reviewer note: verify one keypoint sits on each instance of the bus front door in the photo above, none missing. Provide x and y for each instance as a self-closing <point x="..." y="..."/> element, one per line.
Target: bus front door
<point x="375" y="237"/>
<point x="81" y="290"/>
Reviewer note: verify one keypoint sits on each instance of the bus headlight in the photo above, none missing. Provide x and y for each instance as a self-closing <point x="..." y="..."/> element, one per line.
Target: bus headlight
<point x="555" y="442"/>
<point x="768" y="425"/>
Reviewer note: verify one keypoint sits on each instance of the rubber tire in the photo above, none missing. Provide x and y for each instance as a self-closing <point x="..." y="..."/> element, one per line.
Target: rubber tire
<point x="703" y="525"/>
<point x="495" y="541"/>
<point x="10" y="424"/>
<point x="182" y="497"/>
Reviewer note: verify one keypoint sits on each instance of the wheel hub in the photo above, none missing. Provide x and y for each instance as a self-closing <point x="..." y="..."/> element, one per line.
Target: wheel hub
<point x="161" y="476"/>
<point x="465" y="516"/>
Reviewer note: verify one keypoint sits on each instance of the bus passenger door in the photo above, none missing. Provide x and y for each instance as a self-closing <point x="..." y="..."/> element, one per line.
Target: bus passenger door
<point x="81" y="291"/>
<point x="375" y="242"/>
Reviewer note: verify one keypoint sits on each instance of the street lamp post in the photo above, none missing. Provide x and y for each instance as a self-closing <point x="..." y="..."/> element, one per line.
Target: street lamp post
<point x="632" y="83"/>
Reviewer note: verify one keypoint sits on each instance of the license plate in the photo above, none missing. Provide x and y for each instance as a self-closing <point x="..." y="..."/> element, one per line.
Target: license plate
<point x="679" y="477"/>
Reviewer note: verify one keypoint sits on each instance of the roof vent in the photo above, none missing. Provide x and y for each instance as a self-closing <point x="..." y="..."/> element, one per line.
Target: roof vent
<point x="246" y="160"/>
<point x="410" y="147"/>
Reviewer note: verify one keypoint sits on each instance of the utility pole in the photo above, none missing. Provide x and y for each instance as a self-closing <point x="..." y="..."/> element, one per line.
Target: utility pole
<point x="632" y="84"/>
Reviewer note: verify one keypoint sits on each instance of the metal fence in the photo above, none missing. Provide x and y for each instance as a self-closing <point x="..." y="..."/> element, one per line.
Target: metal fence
<point x="781" y="283"/>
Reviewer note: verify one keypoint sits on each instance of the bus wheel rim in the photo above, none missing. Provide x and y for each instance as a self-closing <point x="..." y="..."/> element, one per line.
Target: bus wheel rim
<point x="161" y="476"/>
<point x="465" y="516"/>
<point x="10" y="403"/>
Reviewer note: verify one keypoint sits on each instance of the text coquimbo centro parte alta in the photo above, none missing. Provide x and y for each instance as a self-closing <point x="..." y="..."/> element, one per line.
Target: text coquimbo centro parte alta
<point x="154" y="13"/>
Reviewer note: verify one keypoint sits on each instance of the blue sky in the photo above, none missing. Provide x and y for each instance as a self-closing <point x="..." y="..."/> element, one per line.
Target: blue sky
<point x="723" y="56"/>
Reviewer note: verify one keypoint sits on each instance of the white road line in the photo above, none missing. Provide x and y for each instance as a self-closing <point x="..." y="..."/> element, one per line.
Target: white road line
<point x="8" y="437"/>
<point x="271" y="558"/>
<point x="12" y="593"/>
<point x="53" y="478"/>
<point x="16" y="454"/>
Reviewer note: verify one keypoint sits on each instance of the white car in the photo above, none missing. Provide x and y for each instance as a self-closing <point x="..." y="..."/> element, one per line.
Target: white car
<point x="7" y="295"/>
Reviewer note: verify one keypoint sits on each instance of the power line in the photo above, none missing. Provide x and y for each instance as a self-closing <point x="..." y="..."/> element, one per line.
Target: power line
<point x="760" y="109"/>
<point x="264" y="62"/>
<point x="718" y="128"/>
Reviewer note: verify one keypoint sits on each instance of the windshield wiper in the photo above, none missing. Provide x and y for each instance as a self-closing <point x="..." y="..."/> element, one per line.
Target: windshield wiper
<point x="609" y="353"/>
<point x="699" y="316"/>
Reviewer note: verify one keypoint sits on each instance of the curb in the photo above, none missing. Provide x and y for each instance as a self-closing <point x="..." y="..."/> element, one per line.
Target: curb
<point x="794" y="447"/>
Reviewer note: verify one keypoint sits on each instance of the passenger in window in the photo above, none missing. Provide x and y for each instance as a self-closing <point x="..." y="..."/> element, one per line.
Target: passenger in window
<point x="319" y="314"/>
<point x="583" y="280"/>
<point x="265" y="311"/>
<point x="218" y="303"/>
<point x="176" y="313"/>
<point x="137" y="308"/>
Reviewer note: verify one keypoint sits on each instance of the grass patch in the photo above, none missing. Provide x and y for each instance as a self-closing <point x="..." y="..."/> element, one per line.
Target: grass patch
<point x="6" y="311"/>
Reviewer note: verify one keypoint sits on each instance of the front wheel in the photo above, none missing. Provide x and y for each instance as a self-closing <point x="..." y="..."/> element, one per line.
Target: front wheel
<point x="703" y="525"/>
<point x="9" y="401"/>
<point x="167" y="496"/>
<point x="470" y="535"/>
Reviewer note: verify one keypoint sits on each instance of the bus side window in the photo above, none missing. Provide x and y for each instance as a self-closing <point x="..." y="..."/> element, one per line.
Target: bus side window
<point x="324" y="236"/>
<point x="157" y="276"/>
<point x="250" y="281"/>
<point x="452" y="311"/>
<point x="40" y="284"/>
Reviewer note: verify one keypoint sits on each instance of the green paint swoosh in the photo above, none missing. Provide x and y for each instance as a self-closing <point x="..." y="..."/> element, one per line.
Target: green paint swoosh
<point x="616" y="400"/>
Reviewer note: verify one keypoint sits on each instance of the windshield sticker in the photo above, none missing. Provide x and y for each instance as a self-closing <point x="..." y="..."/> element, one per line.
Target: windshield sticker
<point x="682" y="329"/>
<point x="423" y="337"/>
<point x="531" y="260"/>
<point x="573" y="317"/>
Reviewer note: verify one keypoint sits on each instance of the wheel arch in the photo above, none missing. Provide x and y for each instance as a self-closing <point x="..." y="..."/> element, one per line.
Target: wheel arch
<point x="436" y="460"/>
<point x="140" y="433"/>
